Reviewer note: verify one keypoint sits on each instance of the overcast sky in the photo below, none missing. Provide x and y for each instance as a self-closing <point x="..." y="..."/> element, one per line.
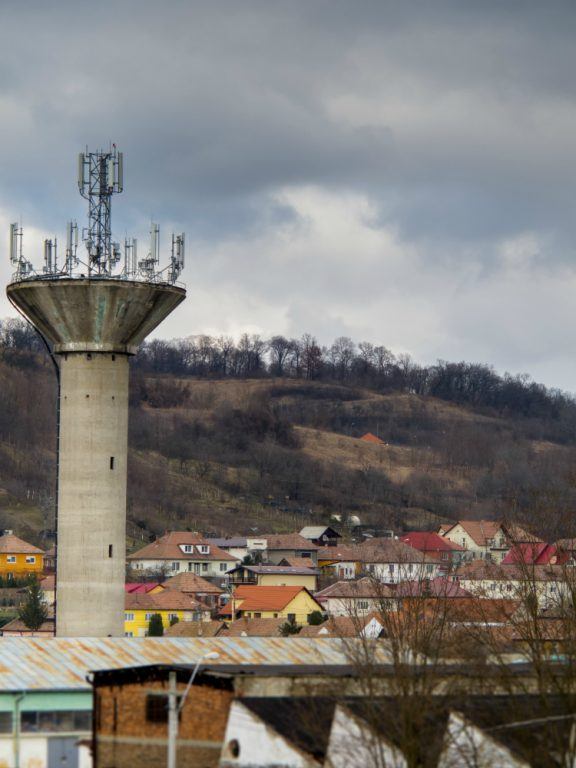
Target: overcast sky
<point x="397" y="172"/>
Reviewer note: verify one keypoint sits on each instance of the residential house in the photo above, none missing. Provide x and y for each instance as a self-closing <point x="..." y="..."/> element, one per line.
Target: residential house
<point x="342" y="561"/>
<point x="274" y="576"/>
<point x="253" y="628"/>
<point x="179" y="551"/>
<point x="50" y="560"/>
<point x="487" y="539"/>
<point x="290" y="603"/>
<point x="169" y="604"/>
<point x="237" y="546"/>
<point x="321" y="535"/>
<point x="438" y="548"/>
<point x="289" y="545"/>
<point x="369" y="626"/>
<point x="19" y="558"/>
<point x="195" y="587"/>
<point x="356" y="598"/>
<point x="210" y="628"/>
<point x="547" y="583"/>
<point x="17" y="628"/>
<point x="391" y="561"/>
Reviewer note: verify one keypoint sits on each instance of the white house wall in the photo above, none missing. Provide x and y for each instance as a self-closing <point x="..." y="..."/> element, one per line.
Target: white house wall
<point x="260" y="745"/>
<point x="466" y="746"/>
<point x="353" y="745"/>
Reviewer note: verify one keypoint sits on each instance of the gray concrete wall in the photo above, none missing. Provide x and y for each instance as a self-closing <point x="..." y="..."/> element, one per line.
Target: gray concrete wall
<point x="92" y="495"/>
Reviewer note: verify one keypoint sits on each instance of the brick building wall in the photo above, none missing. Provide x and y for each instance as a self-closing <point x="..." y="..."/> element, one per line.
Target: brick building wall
<point x="125" y="736"/>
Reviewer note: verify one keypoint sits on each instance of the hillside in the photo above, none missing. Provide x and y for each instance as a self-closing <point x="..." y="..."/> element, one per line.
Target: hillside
<point x="231" y="455"/>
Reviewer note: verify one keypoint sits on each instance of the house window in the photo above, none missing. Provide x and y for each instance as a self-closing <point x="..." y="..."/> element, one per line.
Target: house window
<point x="30" y="559"/>
<point x="157" y="708"/>
<point x="111" y="462"/>
<point x="128" y="634"/>
<point x="391" y="568"/>
<point x="172" y="616"/>
<point x="56" y="721"/>
<point x="257" y="615"/>
<point x="204" y="567"/>
<point x="175" y="566"/>
<point x="128" y="617"/>
<point x="222" y="567"/>
<point x="306" y="554"/>
<point x="148" y="616"/>
<point x="444" y="556"/>
<point x="188" y="548"/>
<point x="5" y="722"/>
<point x="11" y="559"/>
<point x="410" y="566"/>
<point x="204" y="549"/>
<point x="363" y="605"/>
<point x="429" y="568"/>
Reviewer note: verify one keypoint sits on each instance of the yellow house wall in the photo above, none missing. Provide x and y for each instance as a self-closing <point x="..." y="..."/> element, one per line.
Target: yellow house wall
<point x="138" y="626"/>
<point x="301" y="607"/>
<point x="20" y="567"/>
<point x="282" y="580"/>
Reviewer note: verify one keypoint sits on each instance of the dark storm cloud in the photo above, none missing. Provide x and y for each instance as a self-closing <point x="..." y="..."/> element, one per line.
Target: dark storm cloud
<point x="402" y="171"/>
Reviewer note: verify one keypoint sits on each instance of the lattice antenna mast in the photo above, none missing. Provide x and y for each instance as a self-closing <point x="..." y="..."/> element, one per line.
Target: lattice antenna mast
<point x="100" y="175"/>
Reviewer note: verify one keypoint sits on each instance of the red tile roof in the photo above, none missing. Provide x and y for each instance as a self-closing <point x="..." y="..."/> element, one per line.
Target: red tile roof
<point x="195" y="629"/>
<point x="168" y="548"/>
<point x="427" y="541"/>
<point x="538" y="553"/>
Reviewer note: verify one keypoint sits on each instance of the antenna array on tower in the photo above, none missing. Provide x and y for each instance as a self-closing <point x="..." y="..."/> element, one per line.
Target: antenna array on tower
<point x="100" y="175"/>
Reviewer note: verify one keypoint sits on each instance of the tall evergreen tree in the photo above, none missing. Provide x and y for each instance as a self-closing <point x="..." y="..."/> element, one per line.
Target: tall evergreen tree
<point x="155" y="626"/>
<point x="33" y="612"/>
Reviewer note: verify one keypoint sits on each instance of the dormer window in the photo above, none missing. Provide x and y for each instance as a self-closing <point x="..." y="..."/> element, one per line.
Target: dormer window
<point x="204" y="549"/>
<point x="187" y="548"/>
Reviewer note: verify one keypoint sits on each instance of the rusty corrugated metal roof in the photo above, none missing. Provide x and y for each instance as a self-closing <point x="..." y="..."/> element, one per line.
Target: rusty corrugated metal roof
<point x="56" y="663"/>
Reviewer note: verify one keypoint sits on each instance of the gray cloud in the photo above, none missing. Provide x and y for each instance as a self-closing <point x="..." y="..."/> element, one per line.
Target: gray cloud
<point x="396" y="171"/>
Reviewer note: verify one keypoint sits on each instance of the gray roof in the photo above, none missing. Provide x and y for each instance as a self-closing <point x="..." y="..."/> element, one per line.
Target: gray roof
<point x="228" y="543"/>
<point x="57" y="663"/>
<point x="288" y="570"/>
<point x="315" y="531"/>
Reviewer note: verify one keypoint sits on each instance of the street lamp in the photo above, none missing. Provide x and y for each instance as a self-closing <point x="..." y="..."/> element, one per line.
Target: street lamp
<point x="174" y="708"/>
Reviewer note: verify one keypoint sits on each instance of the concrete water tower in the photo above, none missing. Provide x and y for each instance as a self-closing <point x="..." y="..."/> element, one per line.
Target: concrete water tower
<point x="94" y="312"/>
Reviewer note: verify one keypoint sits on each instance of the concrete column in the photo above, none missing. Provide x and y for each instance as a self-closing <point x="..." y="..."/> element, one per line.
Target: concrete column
<point x="92" y="494"/>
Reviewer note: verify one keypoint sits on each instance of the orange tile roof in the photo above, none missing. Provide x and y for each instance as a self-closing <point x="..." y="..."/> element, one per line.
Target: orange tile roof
<point x="255" y="598"/>
<point x="167" y="547"/>
<point x="370" y="438"/>
<point x="13" y="545"/>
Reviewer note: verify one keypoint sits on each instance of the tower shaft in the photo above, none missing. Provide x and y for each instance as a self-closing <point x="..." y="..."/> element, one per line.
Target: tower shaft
<point x="92" y="494"/>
